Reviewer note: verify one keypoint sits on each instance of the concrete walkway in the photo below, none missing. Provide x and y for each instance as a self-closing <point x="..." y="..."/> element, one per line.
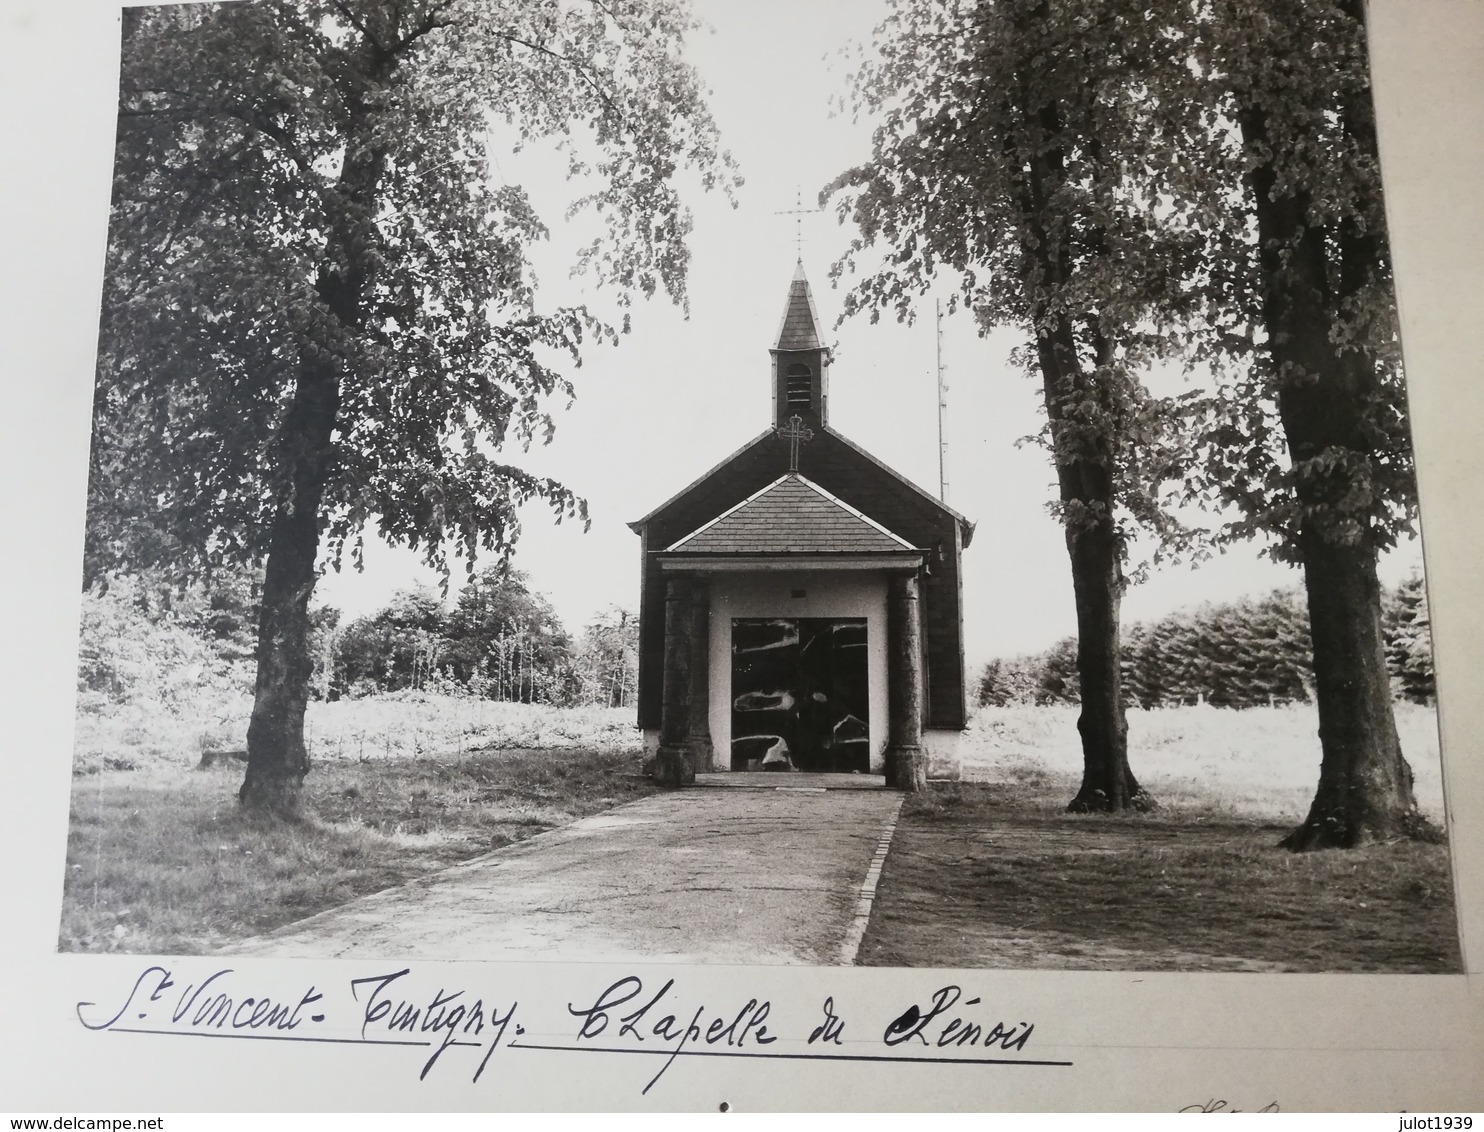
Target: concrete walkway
<point x="764" y="875"/>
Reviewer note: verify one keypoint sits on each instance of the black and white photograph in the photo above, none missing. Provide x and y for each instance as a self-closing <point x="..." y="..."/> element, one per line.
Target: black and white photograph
<point x="739" y="557"/>
<point x="919" y="484"/>
<point x="916" y="484"/>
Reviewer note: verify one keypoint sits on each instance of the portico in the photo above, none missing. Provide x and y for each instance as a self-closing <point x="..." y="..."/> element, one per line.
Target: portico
<point x="801" y="603"/>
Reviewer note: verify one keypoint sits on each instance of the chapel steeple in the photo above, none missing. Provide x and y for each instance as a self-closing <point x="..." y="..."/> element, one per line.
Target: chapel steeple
<point x="800" y="360"/>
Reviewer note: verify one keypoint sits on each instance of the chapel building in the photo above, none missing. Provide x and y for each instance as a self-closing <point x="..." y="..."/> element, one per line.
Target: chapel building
<point x="802" y="603"/>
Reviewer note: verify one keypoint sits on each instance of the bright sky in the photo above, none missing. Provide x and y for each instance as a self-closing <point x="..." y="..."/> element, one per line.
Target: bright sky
<point x="677" y="396"/>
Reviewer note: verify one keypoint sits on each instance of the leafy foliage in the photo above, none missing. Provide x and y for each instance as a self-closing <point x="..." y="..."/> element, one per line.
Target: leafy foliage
<point x="1298" y="434"/>
<point x="606" y="659"/>
<point x="500" y="641"/>
<point x="1163" y="125"/>
<point x="145" y="642"/>
<point x="308" y="181"/>
<point x="1250" y="653"/>
<point x="397" y="647"/>
<point x="1021" y="154"/>
<point x="507" y="641"/>
<point x="1023" y="150"/>
<point x="319" y="313"/>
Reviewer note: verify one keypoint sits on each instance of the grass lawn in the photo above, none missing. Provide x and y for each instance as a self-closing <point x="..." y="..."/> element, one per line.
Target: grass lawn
<point x="161" y="860"/>
<point x="151" y="734"/>
<point x="997" y="875"/>
<point x="1248" y="763"/>
<point x="989" y="872"/>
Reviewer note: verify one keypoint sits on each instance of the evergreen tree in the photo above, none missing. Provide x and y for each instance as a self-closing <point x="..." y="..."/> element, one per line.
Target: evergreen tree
<point x="1057" y="675"/>
<point x="1409" y="641"/>
<point x="1253" y="652"/>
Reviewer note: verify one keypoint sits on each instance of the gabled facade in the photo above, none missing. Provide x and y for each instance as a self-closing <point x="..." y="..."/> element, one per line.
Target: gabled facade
<point x="802" y="602"/>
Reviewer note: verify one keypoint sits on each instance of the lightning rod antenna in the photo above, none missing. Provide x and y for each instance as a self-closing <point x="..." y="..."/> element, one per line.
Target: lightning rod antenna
<point x="942" y="406"/>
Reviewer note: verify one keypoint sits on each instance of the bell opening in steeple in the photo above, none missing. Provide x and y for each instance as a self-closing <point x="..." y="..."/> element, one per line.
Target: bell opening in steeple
<point x="798" y="380"/>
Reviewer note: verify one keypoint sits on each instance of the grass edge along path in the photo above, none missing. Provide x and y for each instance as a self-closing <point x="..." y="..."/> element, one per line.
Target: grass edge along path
<point x="996" y="875"/>
<point x="164" y="861"/>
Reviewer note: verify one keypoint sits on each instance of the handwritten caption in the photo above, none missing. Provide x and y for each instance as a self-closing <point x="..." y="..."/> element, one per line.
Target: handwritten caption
<point x="627" y="1016"/>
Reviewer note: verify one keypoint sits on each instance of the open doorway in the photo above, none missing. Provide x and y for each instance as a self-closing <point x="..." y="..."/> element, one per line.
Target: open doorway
<point x="800" y="698"/>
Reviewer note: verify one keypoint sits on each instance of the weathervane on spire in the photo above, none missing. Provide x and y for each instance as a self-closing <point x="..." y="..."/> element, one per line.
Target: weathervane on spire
<point x="798" y="212"/>
<point x="795" y="433"/>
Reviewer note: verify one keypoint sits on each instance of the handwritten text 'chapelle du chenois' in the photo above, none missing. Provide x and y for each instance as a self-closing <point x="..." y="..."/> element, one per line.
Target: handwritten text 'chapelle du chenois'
<point x="627" y="1016"/>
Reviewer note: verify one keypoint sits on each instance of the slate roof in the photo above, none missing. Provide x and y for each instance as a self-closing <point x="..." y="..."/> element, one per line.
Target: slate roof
<point x="791" y="516"/>
<point x="799" y="329"/>
<point x="764" y="455"/>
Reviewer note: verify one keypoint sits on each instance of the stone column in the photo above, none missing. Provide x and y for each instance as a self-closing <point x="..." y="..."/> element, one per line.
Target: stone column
<point x="698" y="736"/>
<point x="906" y="762"/>
<point x="674" y="766"/>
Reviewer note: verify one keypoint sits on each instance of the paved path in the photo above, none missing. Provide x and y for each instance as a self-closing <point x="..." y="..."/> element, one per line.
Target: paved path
<point x="763" y="875"/>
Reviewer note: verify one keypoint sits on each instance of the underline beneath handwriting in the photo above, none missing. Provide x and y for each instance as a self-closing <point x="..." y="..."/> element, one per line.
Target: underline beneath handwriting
<point x="792" y="1056"/>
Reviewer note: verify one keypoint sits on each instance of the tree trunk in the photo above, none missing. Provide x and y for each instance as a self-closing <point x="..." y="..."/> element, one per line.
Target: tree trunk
<point x="1086" y="488"/>
<point x="1107" y="782"/>
<point x="1365" y="785"/>
<point x="277" y="758"/>
<point x="1082" y="451"/>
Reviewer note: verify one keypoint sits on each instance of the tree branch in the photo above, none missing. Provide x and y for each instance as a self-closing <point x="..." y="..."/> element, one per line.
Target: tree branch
<point x="580" y="70"/>
<point x="360" y="25"/>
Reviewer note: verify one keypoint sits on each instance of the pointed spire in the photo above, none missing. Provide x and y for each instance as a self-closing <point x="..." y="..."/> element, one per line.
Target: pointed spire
<point x="799" y="329"/>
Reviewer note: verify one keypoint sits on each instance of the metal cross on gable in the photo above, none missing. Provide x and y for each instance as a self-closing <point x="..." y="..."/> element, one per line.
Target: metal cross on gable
<point x="795" y="433"/>
<point x="798" y="212"/>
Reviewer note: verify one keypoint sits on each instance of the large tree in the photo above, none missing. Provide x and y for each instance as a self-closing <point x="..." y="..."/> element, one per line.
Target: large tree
<point x="401" y="645"/>
<point x="508" y="637"/>
<point x="1018" y="149"/>
<point x="318" y="312"/>
<point x="1308" y="437"/>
